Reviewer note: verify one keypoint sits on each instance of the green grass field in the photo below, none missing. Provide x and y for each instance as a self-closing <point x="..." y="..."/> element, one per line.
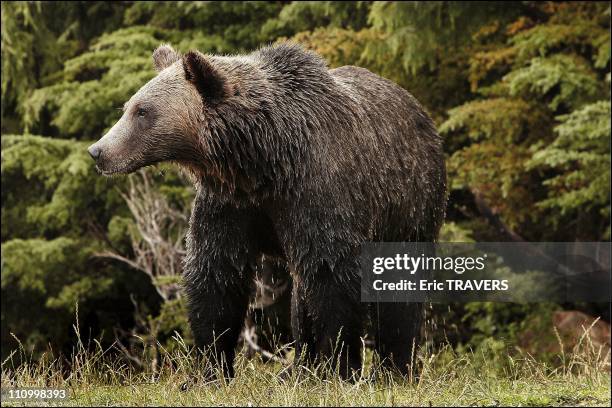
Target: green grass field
<point x="491" y="378"/>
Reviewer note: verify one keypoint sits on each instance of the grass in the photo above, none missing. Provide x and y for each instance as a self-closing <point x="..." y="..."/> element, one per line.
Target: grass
<point x="97" y="377"/>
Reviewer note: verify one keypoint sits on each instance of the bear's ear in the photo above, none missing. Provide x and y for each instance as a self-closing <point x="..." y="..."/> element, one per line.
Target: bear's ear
<point x="209" y="82"/>
<point x="164" y="56"/>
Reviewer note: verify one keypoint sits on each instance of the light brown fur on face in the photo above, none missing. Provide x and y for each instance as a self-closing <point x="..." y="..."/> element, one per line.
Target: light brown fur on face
<point x="160" y="122"/>
<point x="182" y="114"/>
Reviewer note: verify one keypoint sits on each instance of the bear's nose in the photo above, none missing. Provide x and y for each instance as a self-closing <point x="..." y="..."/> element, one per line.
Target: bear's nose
<point x="94" y="151"/>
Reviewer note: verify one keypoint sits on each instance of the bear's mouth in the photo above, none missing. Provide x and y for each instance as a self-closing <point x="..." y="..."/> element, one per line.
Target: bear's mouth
<point x="125" y="169"/>
<point x="105" y="172"/>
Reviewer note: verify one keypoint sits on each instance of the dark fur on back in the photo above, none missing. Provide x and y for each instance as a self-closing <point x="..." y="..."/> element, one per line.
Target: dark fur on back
<point x="296" y="127"/>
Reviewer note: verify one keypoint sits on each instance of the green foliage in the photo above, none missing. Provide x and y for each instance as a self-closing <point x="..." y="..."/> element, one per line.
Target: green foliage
<point x="581" y="156"/>
<point x="52" y="189"/>
<point x="453" y="232"/>
<point x="236" y="25"/>
<point x="301" y="16"/>
<point x="37" y="37"/>
<point x="172" y="319"/>
<point x="55" y="210"/>
<point x="21" y="30"/>
<point x="503" y="119"/>
<point x="568" y="78"/>
<point x="538" y="115"/>
<point x="39" y="266"/>
<point x="580" y="36"/>
<point x="418" y="33"/>
<point x="500" y="321"/>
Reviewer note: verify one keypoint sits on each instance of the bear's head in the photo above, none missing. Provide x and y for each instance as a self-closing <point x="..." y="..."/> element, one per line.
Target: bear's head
<point x="163" y="121"/>
<point x="242" y="122"/>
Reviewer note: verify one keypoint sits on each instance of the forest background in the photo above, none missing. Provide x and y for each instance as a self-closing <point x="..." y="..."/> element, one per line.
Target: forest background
<point x="520" y="91"/>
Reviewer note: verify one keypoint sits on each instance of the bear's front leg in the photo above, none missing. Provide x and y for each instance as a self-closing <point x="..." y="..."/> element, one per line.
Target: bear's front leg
<point x="217" y="310"/>
<point x="217" y="280"/>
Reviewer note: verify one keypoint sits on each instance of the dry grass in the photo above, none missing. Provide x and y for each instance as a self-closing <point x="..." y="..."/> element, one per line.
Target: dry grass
<point x="95" y="376"/>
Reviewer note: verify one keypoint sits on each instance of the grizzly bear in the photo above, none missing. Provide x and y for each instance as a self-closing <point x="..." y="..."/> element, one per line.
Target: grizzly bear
<point x="297" y="162"/>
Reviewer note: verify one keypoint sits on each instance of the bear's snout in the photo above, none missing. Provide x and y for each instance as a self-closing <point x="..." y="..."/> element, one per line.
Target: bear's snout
<point x="94" y="151"/>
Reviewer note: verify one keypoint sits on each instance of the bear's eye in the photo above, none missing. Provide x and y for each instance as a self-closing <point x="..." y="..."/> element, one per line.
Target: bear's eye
<point x="141" y="113"/>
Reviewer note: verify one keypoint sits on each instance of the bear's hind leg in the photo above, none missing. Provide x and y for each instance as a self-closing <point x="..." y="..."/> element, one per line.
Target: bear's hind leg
<point x="397" y="329"/>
